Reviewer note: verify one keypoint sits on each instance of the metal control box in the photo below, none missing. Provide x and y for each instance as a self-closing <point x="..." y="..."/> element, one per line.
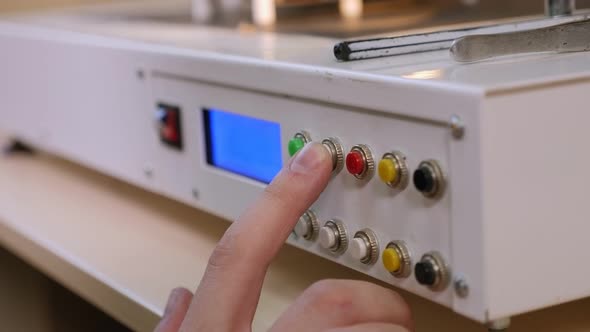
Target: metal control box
<point x="506" y="139"/>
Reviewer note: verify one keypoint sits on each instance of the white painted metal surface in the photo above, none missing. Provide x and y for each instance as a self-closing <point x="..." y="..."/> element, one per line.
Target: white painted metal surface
<point x="512" y="215"/>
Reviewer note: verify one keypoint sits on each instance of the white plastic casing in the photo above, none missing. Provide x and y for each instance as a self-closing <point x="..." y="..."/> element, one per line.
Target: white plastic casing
<point x="516" y="180"/>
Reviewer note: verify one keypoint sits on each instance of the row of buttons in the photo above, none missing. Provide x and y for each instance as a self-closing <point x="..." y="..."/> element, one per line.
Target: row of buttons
<point x="430" y="271"/>
<point x="392" y="169"/>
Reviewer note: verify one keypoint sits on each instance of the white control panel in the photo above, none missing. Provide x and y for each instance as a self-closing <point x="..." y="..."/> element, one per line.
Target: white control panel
<point x="391" y="182"/>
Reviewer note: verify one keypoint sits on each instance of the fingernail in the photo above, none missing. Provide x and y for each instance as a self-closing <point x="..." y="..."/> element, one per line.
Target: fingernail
<point x="309" y="158"/>
<point x="172" y="300"/>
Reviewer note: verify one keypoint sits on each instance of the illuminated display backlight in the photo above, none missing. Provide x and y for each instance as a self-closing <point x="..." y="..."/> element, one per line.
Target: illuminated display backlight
<point x="243" y="145"/>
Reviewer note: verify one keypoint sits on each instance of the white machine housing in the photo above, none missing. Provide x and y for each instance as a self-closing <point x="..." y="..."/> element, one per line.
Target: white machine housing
<point x="512" y="222"/>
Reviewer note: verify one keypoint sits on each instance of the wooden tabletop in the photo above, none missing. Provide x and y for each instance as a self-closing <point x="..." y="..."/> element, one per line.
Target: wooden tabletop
<point x="123" y="249"/>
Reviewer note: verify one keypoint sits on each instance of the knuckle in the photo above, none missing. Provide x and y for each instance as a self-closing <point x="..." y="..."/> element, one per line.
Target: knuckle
<point x="404" y="313"/>
<point x="329" y="294"/>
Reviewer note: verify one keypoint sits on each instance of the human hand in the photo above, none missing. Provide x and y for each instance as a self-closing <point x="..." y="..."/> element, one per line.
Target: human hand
<point x="228" y="294"/>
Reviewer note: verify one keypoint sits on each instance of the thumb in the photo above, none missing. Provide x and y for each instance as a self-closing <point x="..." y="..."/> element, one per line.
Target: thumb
<point x="176" y="309"/>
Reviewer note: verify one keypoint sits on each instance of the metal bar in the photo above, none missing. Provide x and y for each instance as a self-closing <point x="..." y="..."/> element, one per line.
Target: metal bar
<point x="569" y="37"/>
<point x="381" y="47"/>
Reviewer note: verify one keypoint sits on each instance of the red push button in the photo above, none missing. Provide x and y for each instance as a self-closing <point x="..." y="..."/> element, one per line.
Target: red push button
<point x="355" y="162"/>
<point x="359" y="162"/>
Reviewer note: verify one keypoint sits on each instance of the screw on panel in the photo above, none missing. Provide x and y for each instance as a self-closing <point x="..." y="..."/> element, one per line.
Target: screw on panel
<point x="195" y="193"/>
<point x="461" y="286"/>
<point x="140" y="74"/>
<point x="148" y="171"/>
<point x="457" y="126"/>
<point x="499" y="325"/>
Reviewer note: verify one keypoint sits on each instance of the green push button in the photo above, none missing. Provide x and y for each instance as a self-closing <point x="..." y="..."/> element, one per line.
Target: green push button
<point x="295" y="145"/>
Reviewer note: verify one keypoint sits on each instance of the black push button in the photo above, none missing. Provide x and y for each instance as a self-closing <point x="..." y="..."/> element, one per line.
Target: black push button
<point x="429" y="179"/>
<point x="425" y="273"/>
<point x="424" y="179"/>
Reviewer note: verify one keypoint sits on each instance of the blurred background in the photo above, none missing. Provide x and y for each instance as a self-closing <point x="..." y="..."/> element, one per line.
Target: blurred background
<point x="22" y="5"/>
<point x="336" y="18"/>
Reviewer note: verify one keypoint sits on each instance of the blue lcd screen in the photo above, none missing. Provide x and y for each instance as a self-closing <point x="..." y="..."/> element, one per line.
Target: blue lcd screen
<point x="243" y="145"/>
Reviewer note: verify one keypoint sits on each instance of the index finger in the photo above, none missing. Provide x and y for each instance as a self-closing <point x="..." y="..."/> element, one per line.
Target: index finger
<point x="227" y="296"/>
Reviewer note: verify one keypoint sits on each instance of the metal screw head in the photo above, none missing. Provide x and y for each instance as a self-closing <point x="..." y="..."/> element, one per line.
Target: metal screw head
<point x="461" y="286"/>
<point x="195" y="193"/>
<point x="140" y="74"/>
<point x="457" y="126"/>
<point x="148" y="171"/>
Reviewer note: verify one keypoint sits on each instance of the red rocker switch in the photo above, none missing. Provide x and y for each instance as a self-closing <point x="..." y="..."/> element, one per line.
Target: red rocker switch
<point x="169" y="125"/>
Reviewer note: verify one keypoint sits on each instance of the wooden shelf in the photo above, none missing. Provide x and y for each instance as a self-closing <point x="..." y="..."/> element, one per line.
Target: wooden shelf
<point x="123" y="249"/>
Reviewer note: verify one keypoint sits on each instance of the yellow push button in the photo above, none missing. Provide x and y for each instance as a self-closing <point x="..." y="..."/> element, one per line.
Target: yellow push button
<point x="387" y="170"/>
<point x="391" y="260"/>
